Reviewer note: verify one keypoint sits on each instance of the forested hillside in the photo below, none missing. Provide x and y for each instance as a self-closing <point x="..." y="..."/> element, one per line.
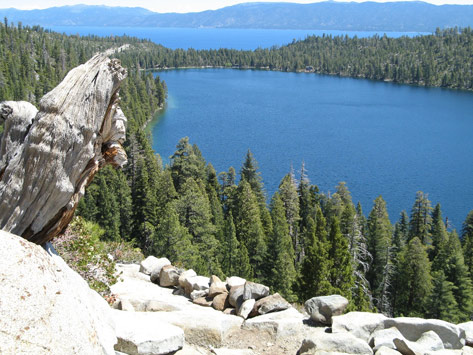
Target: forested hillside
<point x="302" y="244"/>
<point x="442" y="59"/>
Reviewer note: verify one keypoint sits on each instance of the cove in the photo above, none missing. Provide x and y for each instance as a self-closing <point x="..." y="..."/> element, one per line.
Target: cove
<point x="380" y="138"/>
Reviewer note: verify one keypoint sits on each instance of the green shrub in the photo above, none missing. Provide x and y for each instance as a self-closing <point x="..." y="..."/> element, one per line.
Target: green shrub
<point x="83" y="250"/>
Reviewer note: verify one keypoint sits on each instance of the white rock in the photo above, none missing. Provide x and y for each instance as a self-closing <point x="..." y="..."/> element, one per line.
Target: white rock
<point x="412" y="329"/>
<point x="467" y="327"/>
<point x="246" y="308"/>
<point x="217" y="286"/>
<point x="199" y="282"/>
<point x="449" y="352"/>
<point x="202" y="326"/>
<point x="235" y="296"/>
<point x="322" y="309"/>
<point x="384" y="350"/>
<point x="384" y="337"/>
<point x="142" y="333"/>
<point x="168" y="276"/>
<point x="253" y="290"/>
<point x="280" y="324"/>
<point x="428" y="342"/>
<point x="225" y="351"/>
<point x="467" y="350"/>
<point x="192" y="350"/>
<point x="152" y="263"/>
<point x="339" y="342"/>
<point x="187" y="280"/>
<point x="271" y="303"/>
<point x="234" y="281"/>
<point x="198" y="294"/>
<point x="46" y="307"/>
<point x="360" y="324"/>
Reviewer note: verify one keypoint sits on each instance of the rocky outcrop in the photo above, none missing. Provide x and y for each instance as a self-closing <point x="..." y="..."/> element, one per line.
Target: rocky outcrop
<point x="467" y="327"/>
<point x="334" y="343"/>
<point x="201" y="325"/>
<point x="279" y="324"/>
<point x="273" y="303"/>
<point x="428" y="342"/>
<point x="360" y="324"/>
<point x="169" y="276"/>
<point x="140" y="333"/>
<point x="152" y="263"/>
<point x="246" y="308"/>
<point x="322" y="309"/>
<point x="235" y="281"/>
<point x="48" y="157"/>
<point x="46" y="307"/>
<point x="452" y="336"/>
<point x="253" y="290"/>
<point x="217" y="286"/>
<point x="385" y="337"/>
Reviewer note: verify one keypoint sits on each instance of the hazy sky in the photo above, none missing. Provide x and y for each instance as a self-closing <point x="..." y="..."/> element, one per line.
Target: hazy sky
<point x="171" y="5"/>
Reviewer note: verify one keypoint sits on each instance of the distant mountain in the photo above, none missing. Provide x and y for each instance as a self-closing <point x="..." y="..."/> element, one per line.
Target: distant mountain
<point x="367" y="16"/>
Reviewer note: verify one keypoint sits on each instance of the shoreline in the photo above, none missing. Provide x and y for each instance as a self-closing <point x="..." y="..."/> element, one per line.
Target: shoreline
<point x="341" y="75"/>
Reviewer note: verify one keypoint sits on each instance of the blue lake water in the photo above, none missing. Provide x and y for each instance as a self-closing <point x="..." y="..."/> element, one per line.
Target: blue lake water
<point x="214" y="38"/>
<point x="381" y="138"/>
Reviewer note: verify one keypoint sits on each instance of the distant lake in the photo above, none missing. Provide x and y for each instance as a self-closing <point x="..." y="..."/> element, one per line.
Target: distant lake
<point x="215" y="38"/>
<point x="381" y="138"/>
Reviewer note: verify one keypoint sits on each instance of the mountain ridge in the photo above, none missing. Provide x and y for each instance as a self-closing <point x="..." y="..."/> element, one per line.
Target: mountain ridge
<point x="328" y="15"/>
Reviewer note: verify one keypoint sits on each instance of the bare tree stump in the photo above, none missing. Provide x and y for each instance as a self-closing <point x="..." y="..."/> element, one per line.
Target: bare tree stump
<point x="48" y="157"/>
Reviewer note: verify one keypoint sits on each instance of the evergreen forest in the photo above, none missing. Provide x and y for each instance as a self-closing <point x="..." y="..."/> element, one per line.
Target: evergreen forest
<point x="300" y="241"/>
<point x="442" y="59"/>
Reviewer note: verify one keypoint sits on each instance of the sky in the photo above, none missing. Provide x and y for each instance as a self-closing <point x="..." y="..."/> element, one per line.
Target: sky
<point x="173" y="5"/>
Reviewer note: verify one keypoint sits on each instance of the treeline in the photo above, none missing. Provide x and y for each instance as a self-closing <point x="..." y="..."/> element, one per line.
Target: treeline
<point x="442" y="59"/>
<point x="305" y="243"/>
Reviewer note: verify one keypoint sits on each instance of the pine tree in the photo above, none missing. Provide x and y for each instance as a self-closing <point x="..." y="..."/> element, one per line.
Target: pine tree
<point x="174" y="241"/>
<point x="360" y="256"/>
<point x="420" y="223"/>
<point x="231" y="248"/>
<point x="307" y="211"/>
<point x="413" y="298"/>
<point x="194" y="213"/>
<point x="186" y="162"/>
<point x="341" y="272"/>
<point x="438" y="232"/>
<point x="290" y="199"/>
<point x="442" y="304"/>
<point x="249" y="228"/>
<point x="244" y="268"/>
<point x="467" y="241"/>
<point x="283" y="272"/>
<point x="457" y="272"/>
<point x="439" y="252"/>
<point x="379" y="241"/>
<point x="249" y="172"/>
<point x="315" y="269"/>
<point x="144" y="206"/>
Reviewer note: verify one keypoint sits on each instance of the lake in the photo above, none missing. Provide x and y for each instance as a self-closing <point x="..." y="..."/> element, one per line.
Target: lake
<point x="380" y="138"/>
<point x="214" y="38"/>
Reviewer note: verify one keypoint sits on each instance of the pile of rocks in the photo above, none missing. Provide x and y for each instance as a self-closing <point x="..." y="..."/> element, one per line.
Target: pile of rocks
<point x="368" y="333"/>
<point x="235" y="296"/>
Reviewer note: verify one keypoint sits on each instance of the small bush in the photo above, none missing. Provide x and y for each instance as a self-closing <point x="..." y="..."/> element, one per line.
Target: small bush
<point x="82" y="249"/>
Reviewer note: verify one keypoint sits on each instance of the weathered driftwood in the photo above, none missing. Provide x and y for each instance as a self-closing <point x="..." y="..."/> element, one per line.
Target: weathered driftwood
<point x="48" y="157"/>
